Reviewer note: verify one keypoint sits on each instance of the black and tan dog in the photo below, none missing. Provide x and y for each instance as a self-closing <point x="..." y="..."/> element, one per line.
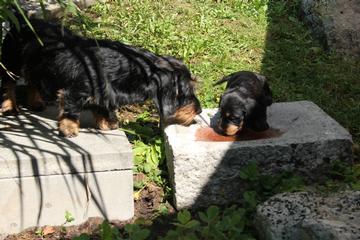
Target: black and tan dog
<point x="102" y="73"/>
<point x="244" y="102"/>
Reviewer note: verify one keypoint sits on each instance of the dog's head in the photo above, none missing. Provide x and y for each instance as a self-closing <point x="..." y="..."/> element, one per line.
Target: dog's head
<point x="232" y="112"/>
<point x="246" y="92"/>
<point x="176" y="98"/>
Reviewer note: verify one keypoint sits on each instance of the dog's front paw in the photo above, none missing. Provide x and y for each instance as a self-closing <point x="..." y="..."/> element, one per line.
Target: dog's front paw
<point x="8" y="106"/>
<point x="69" y="127"/>
<point x="104" y="124"/>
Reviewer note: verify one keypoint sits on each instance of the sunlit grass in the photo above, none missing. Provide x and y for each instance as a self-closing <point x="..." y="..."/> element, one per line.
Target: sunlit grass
<point x="216" y="38"/>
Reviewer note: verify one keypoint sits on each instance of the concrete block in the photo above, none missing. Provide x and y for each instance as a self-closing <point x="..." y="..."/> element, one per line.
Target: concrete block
<point x="43" y="200"/>
<point x="207" y="172"/>
<point x="42" y="175"/>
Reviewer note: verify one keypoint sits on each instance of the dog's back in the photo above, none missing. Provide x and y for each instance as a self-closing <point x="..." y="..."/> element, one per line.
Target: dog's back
<point x="250" y="84"/>
<point x="58" y="58"/>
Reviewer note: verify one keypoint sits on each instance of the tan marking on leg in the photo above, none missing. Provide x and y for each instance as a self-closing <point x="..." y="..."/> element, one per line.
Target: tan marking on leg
<point x="103" y="123"/>
<point x="9" y="104"/>
<point x="67" y="127"/>
<point x="34" y="99"/>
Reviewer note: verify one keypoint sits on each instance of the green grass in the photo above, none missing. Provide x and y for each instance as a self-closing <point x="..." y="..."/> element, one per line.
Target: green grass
<point x="300" y="69"/>
<point x="216" y="38"/>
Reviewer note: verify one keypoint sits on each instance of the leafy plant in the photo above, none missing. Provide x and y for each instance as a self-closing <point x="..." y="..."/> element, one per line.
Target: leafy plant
<point x="342" y="176"/>
<point x="108" y="232"/>
<point x="262" y="186"/>
<point x="148" y="148"/>
<point x="82" y="236"/>
<point x="211" y="224"/>
<point x="68" y="217"/>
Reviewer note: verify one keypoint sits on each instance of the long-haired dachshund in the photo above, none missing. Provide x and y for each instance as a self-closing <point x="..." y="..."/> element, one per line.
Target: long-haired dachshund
<point x="82" y="71"/>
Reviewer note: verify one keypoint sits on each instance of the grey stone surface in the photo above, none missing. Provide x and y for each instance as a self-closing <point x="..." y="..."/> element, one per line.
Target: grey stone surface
<point x="52" y="7"/>
<point x="39" y="201"/>
<point x="204" y="173"/>
<point x="304" y="215"/>
<point x="29" y="137"/>
<point x="42" y="174"/>
<point x="336" y="23"/>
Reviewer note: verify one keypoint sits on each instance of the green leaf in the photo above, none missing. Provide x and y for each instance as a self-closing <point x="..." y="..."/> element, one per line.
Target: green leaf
<point x="250" y="198"/>
<point x="68" y="217"/>
<point x="154" y="156"/>
<point x="163" y="209"/>
<point x="140" y="234"/>
<point x="192" y="224"/>
<point x="355" y="186"/>
<point x="139" y="150"/>
<point x="147" y="167"/>
<point x="106" y="233"/>
<point x="139" y="184"/>
<point x="203" y="217"/>
<point x="10" y="16"/>
<point x="190" y="236"/>
<point x="82" y="236"/>
<point x="212" y="212"/>
<point x="250" y="172"/>
<point x="129" y="228"/>
<point x="115" y="233"/>
<point x="184" y="216"/>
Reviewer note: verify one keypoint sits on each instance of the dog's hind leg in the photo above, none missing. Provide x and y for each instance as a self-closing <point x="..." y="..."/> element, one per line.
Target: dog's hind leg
<point x="105" y="119"/>
<point x="34" y="99"/>
<point x="9" y="72"/>
<point x="69" y="124"/>
<point x="8" y="88"/>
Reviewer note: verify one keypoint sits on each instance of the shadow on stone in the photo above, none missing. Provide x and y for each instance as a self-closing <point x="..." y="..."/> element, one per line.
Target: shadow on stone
<point x="43" y="175"/>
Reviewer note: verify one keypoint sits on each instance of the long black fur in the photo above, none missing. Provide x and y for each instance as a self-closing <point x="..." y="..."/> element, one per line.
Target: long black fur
<point x="104" y="73"/>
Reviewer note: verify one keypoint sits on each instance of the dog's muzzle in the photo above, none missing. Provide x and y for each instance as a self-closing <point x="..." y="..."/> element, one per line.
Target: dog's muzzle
<point x="184" y="115"/>
<point x="230" y="129"/>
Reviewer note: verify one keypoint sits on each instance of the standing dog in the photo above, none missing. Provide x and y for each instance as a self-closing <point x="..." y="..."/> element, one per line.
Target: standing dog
<point x="244" y="102"/>
<point x="102" y="73"/>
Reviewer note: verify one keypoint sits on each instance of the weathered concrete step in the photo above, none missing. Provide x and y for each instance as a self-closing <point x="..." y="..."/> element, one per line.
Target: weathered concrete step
<point x="29" y="137"/>
<point x="42" y="175"/>
<point x="206" y="172"/>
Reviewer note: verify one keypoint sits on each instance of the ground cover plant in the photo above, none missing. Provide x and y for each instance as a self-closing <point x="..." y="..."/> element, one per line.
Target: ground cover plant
<point x="216" y="38"/>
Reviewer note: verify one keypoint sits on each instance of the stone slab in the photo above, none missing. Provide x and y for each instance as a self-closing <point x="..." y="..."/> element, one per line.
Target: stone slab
<point x="306" y="215"/>
<point x="204" y="173"/>
<point x="30" y="146"/>
<point x="38" y="201"/>
<point x="42" y="175"/>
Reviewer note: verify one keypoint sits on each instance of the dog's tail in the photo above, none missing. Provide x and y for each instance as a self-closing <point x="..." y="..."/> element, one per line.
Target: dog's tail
<point x="224" y="79"/>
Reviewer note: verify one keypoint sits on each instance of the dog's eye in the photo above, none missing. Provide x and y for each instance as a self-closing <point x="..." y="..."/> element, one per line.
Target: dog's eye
<point x="235" y="120"/>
